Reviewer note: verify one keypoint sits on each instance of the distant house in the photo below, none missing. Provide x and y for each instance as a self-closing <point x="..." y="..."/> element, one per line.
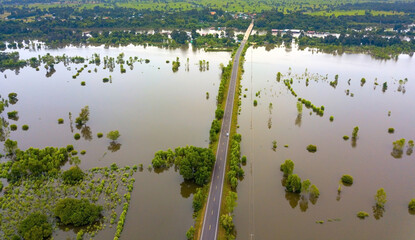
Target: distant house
<point x="212" y="13"/>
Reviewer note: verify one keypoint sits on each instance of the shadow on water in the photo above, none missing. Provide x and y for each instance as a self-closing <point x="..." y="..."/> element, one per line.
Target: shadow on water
<point x="187" y="188"/>
<point x="114" y="146"/>
<point x="86" y="133"/>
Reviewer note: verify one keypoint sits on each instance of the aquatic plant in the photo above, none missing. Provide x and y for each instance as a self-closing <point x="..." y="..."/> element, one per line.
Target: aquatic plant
<point x="77" y="136"/>
<point x="13" y="127"/>
<point x="100" y="135"/>
<point x="391" y="130"/>
<point x="312" y="148"/>
<point x="287" y="167"/>
<point x="60" y="121"/>
<point x="347" y="180"/>
<point x="255" y="103"/>
<point x="25" y="127"/>
<point x="362" y="215"/>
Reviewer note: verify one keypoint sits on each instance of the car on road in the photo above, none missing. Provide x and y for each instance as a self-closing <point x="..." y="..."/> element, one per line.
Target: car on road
<point x="227" y="134"/>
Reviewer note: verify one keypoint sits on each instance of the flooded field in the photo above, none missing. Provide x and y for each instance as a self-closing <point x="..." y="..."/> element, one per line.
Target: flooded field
<point x="151" y="106"/>
<point x="265" y="210"/>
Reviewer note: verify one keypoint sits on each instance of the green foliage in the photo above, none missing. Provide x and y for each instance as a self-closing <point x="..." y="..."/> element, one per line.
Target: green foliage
<point x="299" y="107"/>
<point x="74" y="152"/>
<point x="243" y="159"/>
<point x="355" y="131"/>
<point x="274" y="145"/>
<point x="13" y="127"/>
<point x="226" y="74"/>
<point x="380" y="198"/>
<point x="194" y="164"/>
<point x="293" y="183"/>
<point x="77" y="212"/>
<point x="391" y="130"/>
<point x="362" y="81"/>
<point x="83" y="116"/>
<point x="198" y="199"/>
<point x="83" y="83"/>
<point x="279" y="77"/>
<point x="73" y="176"/>
<point x="113" y="135"/>
<point x="35" y="227"/>
<point x="77" y="136"/>
<point x="311" y="148"/>
<point x="100" y="135"/>
<point x="219" y="113"/>
<point x="331" y="118"/>
<point x="83" y="152"/>
<point x="411" y="205"/>
<point x="230" y="201"/>
<point x="226" y="222"/>
<point x="345" y="137"/>
<point x="190" y="233"/>
<point x="36" y="162"/>
<point x="287" y="167"/>
<point x="347" y="179"/>
<point x="398" y="146"/>
<point x="314" y="192"/>
<point x="305" y="186"/>
<point x="235" y="169"/>
<point x="69" y="148"/>
<point x="25" y="127"/>
<point x="255" y="103"/>
<point x="60" y="121"/>
<point x="10" y="147"/>
<point x="214" y="130"/>
<point x="362" y="215"/>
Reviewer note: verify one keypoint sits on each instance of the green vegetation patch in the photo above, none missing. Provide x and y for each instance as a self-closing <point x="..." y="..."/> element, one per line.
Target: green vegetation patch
<point x="109" y="187"/>
<point x="347" y="180"/>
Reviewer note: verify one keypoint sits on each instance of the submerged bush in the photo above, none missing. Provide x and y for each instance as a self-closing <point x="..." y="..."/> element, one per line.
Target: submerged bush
<point x="255" y="102"/>
<point x="411" y="204"/>
<point x="60" y="121"/>
<point x="312" y="148"/>
<point x="13" y="127"/>
<point x="331" y="118"/>
<point x="25" y="127"/>
<point x="35" y="227"/>
<point x="287" y="167"/>
<point x="293" y="183"/>
<point x="391" y="130"/>
<point x="73" y="176"/>
<point x="100" y="135"/>
<point x="362" y="215"/>
<point x="83" y="83"/>
<point x="347" y="179"/>
<point x="77" y="136"/>
<point x="345" y="137"/>
<point x="83" y="152"/>
<point x="77" y="212"/>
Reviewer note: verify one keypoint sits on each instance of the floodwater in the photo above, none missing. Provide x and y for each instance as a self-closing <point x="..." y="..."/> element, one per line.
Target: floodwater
<point x="265" y="210"/>
<point x="152" y="108"/>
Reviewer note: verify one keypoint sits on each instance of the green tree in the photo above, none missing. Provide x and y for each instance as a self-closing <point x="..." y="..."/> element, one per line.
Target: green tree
<point x="380" y="198"/>
<point x="227" y="223"/>
<point x="113" y="135"/>
<point x="219" y="113"/>
<point x="347" y="179"/>
<point x="411" y="204"/>
<point x="355" y="131"/>
<point x="83" y="116"/>
<point x="314" y="192"/>
<point x="35" y="227"/>
<point x="230" y="201"/>
<point x="305" y="186"/>
<point x="287" y="167"/>
<point x="10" y="147"/>
<point x="190" y="233"/>
<point x="73" y="176"/>
<point x="77" y="212"/>
<point x="293" y="183"/>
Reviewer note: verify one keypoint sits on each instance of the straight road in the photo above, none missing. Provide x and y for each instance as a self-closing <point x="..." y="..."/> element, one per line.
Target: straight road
<point x="211" y="219"/>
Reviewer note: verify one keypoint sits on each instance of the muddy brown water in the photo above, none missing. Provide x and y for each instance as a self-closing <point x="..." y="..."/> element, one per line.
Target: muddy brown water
<point x="265" y="210"/>
<point x="152" y="107"/>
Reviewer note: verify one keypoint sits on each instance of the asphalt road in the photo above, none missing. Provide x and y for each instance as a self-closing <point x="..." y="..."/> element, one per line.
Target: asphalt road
<point x="211" y="219"/>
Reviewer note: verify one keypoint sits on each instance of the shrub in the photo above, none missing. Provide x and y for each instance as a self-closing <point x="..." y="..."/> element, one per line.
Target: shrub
<point x="355" y="131"/>
<point x="60" y="121"/>
<point x="113" y="135"/>
<point x="25" y="127"/>
<point x="287" y="167"/>
<point x="35" y="227"/>
<point x="243" y="159"/>
<point x="255" y="102"/>
<point x="347" y="179"/>
<point x="219" y="113"/>
<point x="105" y="80"/>
<point x="293" y="183"/>
<point x="312" y="148"/>
<point x="83" y="152"/>
<point x="331" y="118"/>
<point x="314" y="192"/>
<point x="345" y="137"/>
<point x="74" y="152"/>
<point x="12" y="115"/>
<point x="13" y="127"/>
<point x="77" y="136"/>
<point x="411" y="204"/>
<point x="83" y="83"/>
<point x="73" y="176"/>
<point x="69" y="148"/>
<point x="100" y="135"/>
<point x="391" y="130"/>
<point x="362" y="215"/>
<point x="77" y="212"/>
<point x="380" y="198"/>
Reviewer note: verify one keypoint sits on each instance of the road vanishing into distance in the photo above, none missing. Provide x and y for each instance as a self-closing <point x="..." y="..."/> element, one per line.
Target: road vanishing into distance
<point x="211" y="219"/>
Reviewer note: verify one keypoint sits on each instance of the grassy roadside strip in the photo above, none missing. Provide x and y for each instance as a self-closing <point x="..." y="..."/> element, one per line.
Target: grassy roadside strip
<point x="194" y="232"/>
<point x="229" y="195"/>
